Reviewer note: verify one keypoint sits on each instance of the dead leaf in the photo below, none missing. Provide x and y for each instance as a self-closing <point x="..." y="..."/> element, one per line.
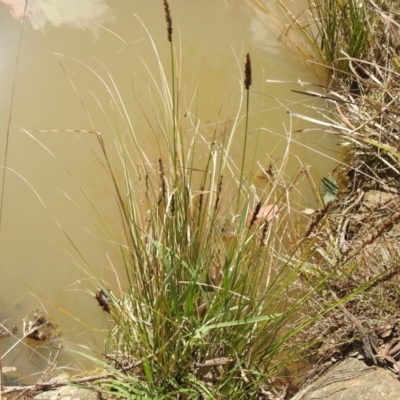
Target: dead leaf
<point x="308" y="211"/>
<point x="265" y="213"/>
<point x="386" y="331"/>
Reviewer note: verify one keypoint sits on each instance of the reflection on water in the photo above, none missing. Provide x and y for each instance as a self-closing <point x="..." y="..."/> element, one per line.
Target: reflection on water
<point x="64" y="81"/>
<point x="74" y="14"/>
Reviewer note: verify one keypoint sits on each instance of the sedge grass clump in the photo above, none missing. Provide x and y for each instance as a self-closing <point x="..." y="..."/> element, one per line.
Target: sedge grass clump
<point x="196" y="315"/>
<point x="342" y="30"/>
<point x="334" y="31"/>
<point x="204" y="308"/>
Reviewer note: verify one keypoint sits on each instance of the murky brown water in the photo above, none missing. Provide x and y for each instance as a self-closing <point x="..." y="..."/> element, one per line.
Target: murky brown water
<point x="64" y="45"/>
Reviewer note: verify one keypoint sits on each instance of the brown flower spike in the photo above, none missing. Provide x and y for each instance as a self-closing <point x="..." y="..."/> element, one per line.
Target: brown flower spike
<point x="255" y="214"/>
<point x="103" y="300"/>
<point x="168" y="19"/>
<point x="247" y="72"/>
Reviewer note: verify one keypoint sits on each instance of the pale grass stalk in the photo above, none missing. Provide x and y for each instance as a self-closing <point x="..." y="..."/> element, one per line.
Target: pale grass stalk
<point x="235" y="123"/>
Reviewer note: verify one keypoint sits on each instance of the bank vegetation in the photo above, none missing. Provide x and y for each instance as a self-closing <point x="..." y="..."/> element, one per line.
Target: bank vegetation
<point x="213" y="304"/>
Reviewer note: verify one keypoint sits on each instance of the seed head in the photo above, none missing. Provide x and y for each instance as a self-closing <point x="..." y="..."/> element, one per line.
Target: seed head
<point x="255" y="214"/>
<point x="103" y="300"/>
<point x="219" y="190"/>
<point x="264" y="233"/>
<point x="172" y="205"/>
<point x="200" y="203"/>
<point x="247" y="72"/>
<point x="163" y="187"/>
<point x="168" y="19"/>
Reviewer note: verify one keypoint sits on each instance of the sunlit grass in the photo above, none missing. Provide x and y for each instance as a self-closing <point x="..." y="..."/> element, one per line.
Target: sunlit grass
<point x="208" y="292"/>
<point x="328" y="32"/>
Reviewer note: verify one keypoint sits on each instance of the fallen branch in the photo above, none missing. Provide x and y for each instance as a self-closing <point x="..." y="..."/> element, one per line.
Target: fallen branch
<point x="54" y="384"/>
<point x="50" y="367"/>
<point x="366" y="340"/>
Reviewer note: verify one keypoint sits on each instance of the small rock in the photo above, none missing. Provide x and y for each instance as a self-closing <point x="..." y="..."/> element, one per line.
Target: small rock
<point x="352" y="379"/>
<point x="11" y="377"/>
<point x="67" y="392"/>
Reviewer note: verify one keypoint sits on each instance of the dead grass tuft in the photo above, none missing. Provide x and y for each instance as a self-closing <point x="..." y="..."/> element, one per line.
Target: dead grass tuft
<point x="356" y="238"/>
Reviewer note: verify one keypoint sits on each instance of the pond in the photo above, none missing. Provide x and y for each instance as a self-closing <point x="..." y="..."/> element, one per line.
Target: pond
<point x="60" y="61"/>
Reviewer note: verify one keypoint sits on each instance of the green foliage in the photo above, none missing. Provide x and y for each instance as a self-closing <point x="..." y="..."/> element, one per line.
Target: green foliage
<point x="206" y="303"/>
<point x="342" y="31"/>
<point x="328" y="189"/>
<point x="195" y="294"/>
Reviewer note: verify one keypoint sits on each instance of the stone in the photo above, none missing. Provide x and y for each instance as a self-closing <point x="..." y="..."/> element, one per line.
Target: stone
<point x="68" y="393"/>
<point x="353" y="379"/>
<point x="10" y="376"/>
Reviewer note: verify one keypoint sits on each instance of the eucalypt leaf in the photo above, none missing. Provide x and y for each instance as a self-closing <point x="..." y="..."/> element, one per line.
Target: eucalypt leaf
<point x="328" y="189"/>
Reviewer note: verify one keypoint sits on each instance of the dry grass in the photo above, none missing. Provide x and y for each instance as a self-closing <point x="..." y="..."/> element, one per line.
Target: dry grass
<point x="355" y="239"/>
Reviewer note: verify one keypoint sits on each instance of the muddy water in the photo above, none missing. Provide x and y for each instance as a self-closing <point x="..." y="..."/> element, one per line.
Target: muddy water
<point x="51" y="84"/>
